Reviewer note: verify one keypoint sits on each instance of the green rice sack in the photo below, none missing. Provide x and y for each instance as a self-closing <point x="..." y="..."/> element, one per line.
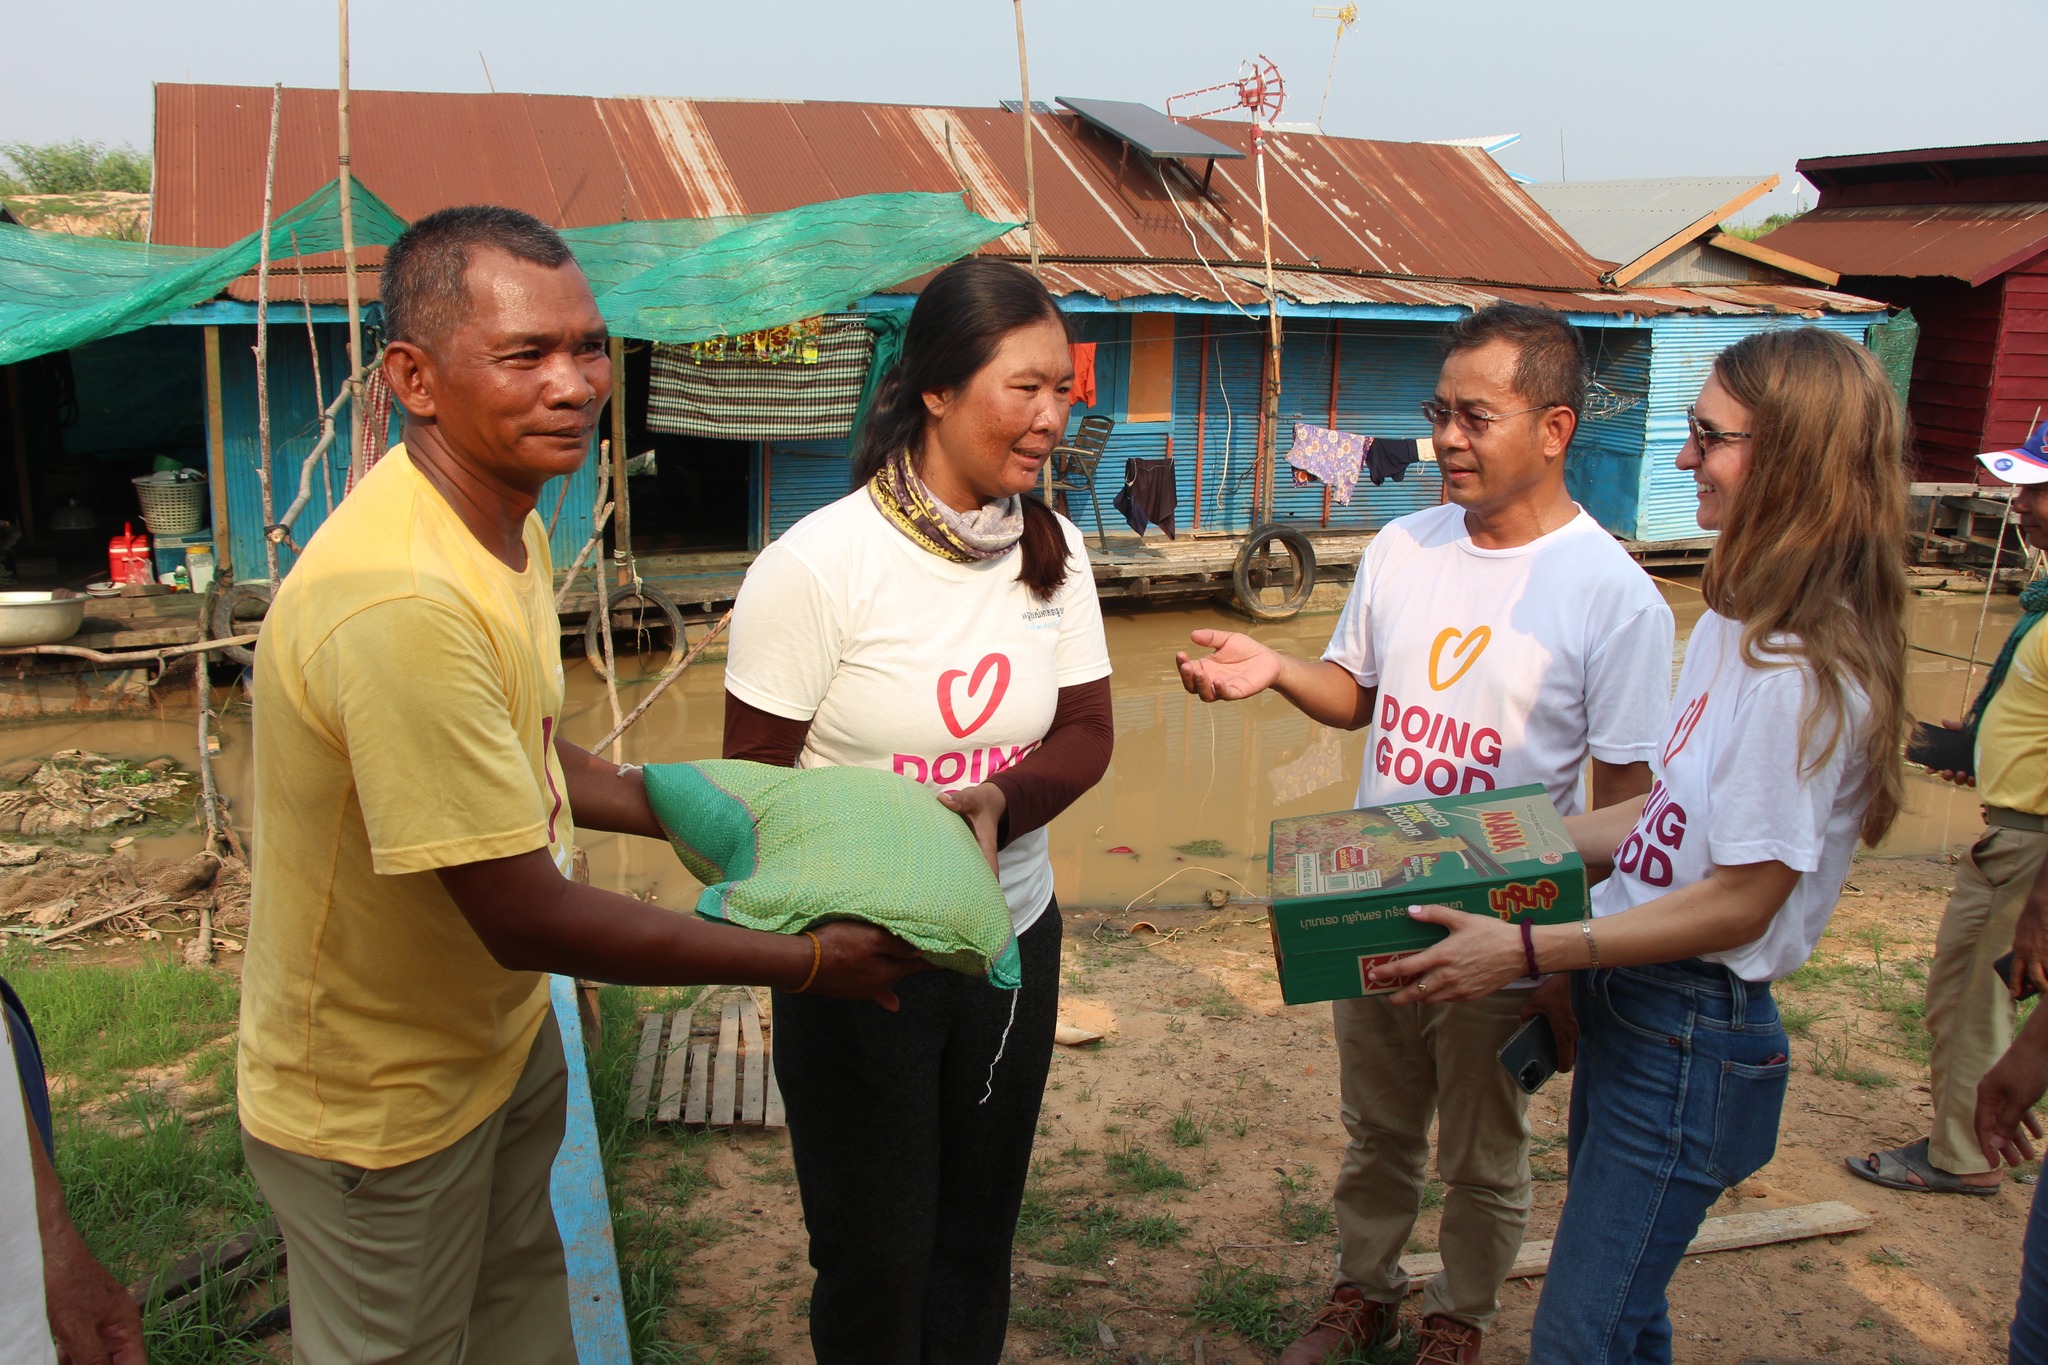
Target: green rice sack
<point x="783" y="849"/>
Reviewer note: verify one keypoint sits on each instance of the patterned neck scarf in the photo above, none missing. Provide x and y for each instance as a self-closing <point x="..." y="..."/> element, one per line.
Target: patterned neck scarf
<point x="2033" y="606"/>
<point x="962" y="537"/>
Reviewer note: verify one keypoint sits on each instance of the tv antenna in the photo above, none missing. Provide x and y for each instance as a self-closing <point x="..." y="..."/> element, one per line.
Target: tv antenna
<point x="1346" y="17"/>
<point x="1258" y="90"/>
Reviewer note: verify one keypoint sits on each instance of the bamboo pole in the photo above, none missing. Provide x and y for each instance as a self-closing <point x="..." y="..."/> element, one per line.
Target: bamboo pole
<point x="348" y="257"/>
<point x="622" y="536"/>
<point x="667" y="678"/>
<point x="217" y="455"/>
<point x="604" y="609"/>
<point x="263" y="342"/>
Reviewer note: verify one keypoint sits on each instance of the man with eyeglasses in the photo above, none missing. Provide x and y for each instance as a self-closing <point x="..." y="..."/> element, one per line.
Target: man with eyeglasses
<point x="1499" y="639"/>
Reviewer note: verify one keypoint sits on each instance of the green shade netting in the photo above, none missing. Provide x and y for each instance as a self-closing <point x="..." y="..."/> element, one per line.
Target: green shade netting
<point x="674" y="280"/>
<point x="784" y="849"/>
<point x="773" y="269"/>
<point x="58" y="291"/>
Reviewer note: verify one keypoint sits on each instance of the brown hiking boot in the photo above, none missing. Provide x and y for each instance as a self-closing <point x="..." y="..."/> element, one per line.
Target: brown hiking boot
<point x="1446" y="1341"/>
<point x="1348" y="1323"/>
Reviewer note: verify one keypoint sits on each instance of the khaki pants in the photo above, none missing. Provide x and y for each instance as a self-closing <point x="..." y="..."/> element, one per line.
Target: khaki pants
<point x="452" y="1258"/>
<point x="1969" y="1010"/>
<point x="1403" y="1065"/>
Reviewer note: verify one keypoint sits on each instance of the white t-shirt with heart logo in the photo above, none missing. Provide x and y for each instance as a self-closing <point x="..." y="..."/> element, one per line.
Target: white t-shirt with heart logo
<point x="1732" y="788"/>
<point x="1502" y="667"/>
<point x="943" y="672"/>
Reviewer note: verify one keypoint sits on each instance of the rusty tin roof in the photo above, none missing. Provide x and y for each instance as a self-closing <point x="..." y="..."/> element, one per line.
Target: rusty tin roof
<point x="1973" y="242"/>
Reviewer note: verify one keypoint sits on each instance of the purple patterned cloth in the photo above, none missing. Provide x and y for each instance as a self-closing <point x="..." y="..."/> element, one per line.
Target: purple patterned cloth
<point x="1332" y="456"/>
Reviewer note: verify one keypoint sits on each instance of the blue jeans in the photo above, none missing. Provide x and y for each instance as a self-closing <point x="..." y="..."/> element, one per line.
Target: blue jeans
<point x="1681" y="1077"/>
<point x="2030" y="1320"/>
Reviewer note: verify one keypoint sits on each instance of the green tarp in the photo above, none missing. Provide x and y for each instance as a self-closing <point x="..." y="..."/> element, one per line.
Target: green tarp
<point x="59" y="291"/>
<point x="677" y="280"/>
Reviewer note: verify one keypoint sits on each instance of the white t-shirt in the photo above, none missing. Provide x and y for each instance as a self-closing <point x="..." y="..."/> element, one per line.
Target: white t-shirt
<point x="946" y="673"/>
<point x="24" y="1317"/>
<point x="1731" y="789"/>
<point x="1501" y="667"/>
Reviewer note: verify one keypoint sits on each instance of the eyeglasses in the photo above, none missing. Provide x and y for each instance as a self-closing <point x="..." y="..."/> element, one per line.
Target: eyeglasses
<point x="1705" y="437"/>
<point x="1472" y="421"/>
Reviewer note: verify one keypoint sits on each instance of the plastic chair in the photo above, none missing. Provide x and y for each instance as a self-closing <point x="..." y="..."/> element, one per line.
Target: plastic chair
<point x="1074" y="462"/>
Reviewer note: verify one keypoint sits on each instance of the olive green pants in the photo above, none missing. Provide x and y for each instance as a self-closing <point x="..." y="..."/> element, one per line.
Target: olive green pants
<point x="1402" y="1066"/>
<point x="449" y="1260"/>
<point x="1969" y="1010"/>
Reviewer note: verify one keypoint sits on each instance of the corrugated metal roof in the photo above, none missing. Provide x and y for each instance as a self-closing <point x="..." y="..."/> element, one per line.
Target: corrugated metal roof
<point x="1390" y="222"/>
<point x="1973" y="242"/>
<point x="1620" y="220"/>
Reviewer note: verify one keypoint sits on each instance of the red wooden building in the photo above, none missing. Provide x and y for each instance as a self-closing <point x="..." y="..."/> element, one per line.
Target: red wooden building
<point x="1960" y="236"/>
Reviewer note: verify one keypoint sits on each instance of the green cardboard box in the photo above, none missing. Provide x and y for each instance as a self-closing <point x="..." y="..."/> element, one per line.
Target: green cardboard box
<point x="1342" y="883"/>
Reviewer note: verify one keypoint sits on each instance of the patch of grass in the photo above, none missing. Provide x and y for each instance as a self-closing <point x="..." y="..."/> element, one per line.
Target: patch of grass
<point x="1885" y="1256"/>
<point x="1155" y="1230"/>
<point x="1034" y="1317"/>
<point x="1221" y="1004"/>
<point x="96" y="1024"/>
<point x="1185" y="1129"/>
<point x="1037" y="1218"/>
<point x="1800" y="1019"/>
<point x="1433" y="1193"/>
<point x="1240" y="1124"/>
<point x="1244" y="1301"/>
<point x="1202" y="848"/>
<point x="1076" y="1337"/>
<point x="1836" y="1061"/>
<point x="1139" y="1172"/>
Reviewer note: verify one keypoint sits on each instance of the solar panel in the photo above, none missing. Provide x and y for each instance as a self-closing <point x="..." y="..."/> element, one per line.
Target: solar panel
<point x="1150" y="131"/>
<point x="1017" y="106"/>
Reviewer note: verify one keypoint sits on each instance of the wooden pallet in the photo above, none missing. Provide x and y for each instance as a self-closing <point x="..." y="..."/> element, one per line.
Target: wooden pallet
<point x="707" y="1066"/>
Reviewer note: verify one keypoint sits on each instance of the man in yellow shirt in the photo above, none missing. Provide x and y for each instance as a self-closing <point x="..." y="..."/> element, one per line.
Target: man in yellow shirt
<point x="2000" y="901"/>
<point x="401" y="1078"/>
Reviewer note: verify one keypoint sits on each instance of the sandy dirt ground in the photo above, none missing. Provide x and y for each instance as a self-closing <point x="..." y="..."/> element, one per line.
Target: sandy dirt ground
<point x="1184" y="1162"/>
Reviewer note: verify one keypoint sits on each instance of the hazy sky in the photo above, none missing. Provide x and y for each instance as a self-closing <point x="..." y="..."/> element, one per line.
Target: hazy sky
<point x="1631" y="87"/>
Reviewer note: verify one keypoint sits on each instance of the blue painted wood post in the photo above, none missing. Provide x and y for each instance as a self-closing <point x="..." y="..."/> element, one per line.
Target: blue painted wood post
<point x="582" y="1212"/>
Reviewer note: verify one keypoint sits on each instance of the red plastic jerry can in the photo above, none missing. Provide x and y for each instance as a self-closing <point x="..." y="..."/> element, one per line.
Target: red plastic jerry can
<point x="128" y="558"/>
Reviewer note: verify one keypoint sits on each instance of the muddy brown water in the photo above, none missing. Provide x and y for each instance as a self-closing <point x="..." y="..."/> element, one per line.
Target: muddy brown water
<point x="1186" y="804"/>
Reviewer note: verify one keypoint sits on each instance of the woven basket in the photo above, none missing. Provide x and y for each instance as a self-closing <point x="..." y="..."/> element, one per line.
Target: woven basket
<point x="171" y="506"/>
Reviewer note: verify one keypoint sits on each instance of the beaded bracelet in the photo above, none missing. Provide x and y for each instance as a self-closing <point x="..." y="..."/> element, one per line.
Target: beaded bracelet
<point x="1529" y="948"/>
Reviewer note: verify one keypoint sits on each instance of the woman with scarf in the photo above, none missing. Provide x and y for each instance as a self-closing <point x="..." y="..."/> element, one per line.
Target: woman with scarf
<point x="939" y="621"/>
<point x="1782" y="752"/>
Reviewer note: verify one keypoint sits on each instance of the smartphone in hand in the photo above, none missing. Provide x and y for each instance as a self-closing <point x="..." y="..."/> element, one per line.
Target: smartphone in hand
<point x="2003" y="967"/>
<point x="1531" y="1055"/>
<point x="1942" y="750"/>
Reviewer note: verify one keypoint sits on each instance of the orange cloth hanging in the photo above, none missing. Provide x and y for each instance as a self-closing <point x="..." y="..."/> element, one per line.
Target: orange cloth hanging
<point x="1084" y="373"/>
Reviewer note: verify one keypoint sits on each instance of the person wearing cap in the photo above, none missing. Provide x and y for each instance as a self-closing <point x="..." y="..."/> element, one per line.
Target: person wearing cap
<point x="2000" y="901"/>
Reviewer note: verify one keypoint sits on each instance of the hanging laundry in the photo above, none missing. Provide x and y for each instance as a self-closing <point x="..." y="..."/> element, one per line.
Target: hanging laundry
<point x="1148" y="495"/>
<point x="1084" y="373"/>
<point x="1388" y="457"/>
<point x="1332" y="456"/>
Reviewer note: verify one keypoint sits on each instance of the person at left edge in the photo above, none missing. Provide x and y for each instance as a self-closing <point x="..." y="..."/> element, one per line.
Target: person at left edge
<point x="942" y="622"/>
<point x="401" y="1079"/>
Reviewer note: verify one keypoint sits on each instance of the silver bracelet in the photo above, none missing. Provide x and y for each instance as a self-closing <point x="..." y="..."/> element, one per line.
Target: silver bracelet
<point x="1592" y="948"/>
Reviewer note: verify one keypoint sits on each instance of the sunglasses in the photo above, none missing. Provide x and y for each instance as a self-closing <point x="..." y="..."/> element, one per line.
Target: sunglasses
<point x="1472" y="421"/>
<point x="1705" y="437"/>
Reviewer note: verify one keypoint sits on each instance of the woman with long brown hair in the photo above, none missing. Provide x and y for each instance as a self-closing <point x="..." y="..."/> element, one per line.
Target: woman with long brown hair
<point x="1782" y="751"/>
<point x="941" y="622"/>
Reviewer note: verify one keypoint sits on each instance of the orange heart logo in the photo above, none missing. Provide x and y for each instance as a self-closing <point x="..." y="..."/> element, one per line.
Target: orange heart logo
<point x="1465" y="652"/>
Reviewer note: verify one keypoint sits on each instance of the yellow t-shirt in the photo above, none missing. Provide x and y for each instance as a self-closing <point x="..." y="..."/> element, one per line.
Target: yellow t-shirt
<point x="408" y="690"/>
<point x="2012" y="739"/>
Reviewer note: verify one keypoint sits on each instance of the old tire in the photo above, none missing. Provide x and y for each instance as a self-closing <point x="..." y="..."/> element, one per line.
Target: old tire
<point x="648" y="612"/>
<point x="243" y="602"/>
<point x="1253" y="576"/>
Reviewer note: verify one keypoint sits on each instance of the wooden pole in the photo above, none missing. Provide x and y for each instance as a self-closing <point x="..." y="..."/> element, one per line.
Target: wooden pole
<point x="1263" y="470"/>
<point x="217" y="456"/>
<point x="622" y="533"/>
<point x="1030" y="179"/>
<point x="348" y="258"/>
<point x="263" y="343"/>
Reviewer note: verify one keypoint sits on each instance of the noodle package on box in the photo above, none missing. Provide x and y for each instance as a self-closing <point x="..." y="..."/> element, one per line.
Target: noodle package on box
<point x="1342" y="883"/>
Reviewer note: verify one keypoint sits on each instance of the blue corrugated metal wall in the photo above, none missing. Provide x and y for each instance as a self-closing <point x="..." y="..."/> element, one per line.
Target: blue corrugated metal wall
<point x="802" y="477"/>
<point x="1386" y="372"/>
<point x="1604" y="470"/>
<point x="295" y="429"/>
<point x="1683" y="355"/>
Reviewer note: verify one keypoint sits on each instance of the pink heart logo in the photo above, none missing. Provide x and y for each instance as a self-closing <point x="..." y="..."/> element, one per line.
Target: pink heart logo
<point x="1001" y="664"/>
<point x="1688" y="721"/>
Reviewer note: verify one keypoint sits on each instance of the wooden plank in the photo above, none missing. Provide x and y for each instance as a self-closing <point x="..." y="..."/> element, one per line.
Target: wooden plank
<point x="675" y="1063"/>
<point x="772" y="1114"/>
<point x="1732" y="1233"/>
<point x="725" y="1070"/>
<point x="217" y="456"/>
<point x="697" y="1108"/>
<point x="753" y="1100"/>
<point x="643" y="1067"/>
